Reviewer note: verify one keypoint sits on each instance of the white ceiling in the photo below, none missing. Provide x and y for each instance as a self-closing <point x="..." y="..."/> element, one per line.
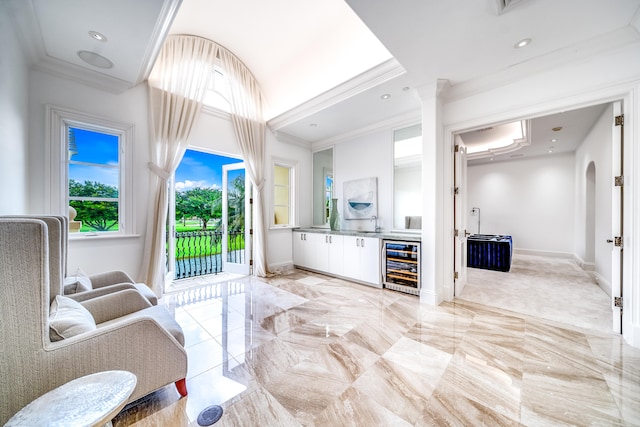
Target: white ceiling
<point x="317" y="61"/>
<point x="52" y="33"/>
<point x="574" y="124"/>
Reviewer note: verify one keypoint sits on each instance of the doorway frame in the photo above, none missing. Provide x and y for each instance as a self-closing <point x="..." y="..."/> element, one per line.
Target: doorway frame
<point x="628" y="94"/>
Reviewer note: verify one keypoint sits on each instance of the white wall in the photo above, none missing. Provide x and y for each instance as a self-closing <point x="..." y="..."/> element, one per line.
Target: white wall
<point x="612" y="75"/>
<point x="279" y="242"/>
<point x="531" y="199"/>
<point x="366" y="157"/>
<point x="91" y="254"/>
<point x="596" y="148"/>
<point x="13" y="120"/>
<point x="213" y="132"/>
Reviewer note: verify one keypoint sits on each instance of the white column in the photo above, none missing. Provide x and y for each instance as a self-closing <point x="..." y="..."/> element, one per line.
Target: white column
<point x="434" y="229"/>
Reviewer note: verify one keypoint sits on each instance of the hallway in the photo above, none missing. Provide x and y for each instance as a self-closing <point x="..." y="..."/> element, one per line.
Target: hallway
<point x="554" y="289"/>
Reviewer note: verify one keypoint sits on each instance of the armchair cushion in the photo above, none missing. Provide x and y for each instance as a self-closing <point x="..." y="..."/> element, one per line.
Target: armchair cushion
<point x="75" y="284"/>
<point x="68" y="318"/>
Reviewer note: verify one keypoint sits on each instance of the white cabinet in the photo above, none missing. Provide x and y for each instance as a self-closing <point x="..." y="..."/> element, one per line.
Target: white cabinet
<point x="303" y="249"/>
<point x="362" y="259"/>
<point x="352" y="257"/>
<point x="330" y="254"/>
<point x="318" y="251"/>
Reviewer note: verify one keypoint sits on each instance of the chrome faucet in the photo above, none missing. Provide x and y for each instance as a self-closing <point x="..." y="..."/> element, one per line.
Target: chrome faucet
<point x="376" y="228"/>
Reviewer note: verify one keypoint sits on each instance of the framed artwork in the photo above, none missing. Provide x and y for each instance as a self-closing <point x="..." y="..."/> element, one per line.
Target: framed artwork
<point x="361" y="198"/>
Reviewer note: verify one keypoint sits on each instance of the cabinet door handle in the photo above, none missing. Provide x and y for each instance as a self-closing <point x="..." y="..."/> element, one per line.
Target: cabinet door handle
<point x="326" y="239"/>
<point x="330" y="239"/>
<point x="362" y="243"/>
<point x="357" y="242"/>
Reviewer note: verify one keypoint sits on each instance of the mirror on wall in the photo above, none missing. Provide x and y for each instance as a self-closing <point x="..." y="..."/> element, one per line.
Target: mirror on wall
<point x="407" y="178"/>
<point x="322" y="185"/>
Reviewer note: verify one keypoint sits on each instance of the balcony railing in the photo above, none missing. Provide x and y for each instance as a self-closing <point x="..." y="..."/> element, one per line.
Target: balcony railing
<point x="200" y="252"/>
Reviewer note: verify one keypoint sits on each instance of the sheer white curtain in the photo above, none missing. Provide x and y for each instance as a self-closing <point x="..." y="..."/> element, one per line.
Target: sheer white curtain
<point x="177" y="86"/>
<point x="249" y="126"/>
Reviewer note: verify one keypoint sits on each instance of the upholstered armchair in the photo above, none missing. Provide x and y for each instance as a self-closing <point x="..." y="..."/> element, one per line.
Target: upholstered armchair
<point x="47" y="339"/>
<point x="80" y="286"/>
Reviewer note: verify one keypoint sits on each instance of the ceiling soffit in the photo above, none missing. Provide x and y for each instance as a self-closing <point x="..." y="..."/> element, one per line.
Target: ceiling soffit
<point x="52" y="33"/>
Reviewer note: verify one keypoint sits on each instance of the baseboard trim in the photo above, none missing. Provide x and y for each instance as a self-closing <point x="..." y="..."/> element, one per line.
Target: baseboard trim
<point x="586" y="266"/>
<point x="604" y="284"/>
<point x="552" y="254"/>
<point x="281" y="267"/>
<point x="429" y="297"/>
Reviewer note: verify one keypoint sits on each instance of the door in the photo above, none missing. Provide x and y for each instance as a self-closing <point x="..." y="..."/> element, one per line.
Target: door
<point x="236" y="243"/>
<point x="460" y="216"/>
<point x="617" y="225"/>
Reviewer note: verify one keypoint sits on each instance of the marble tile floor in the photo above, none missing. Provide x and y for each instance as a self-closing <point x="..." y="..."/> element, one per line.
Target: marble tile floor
<point x="304" y="349"/>
<point x="550" y="288"/>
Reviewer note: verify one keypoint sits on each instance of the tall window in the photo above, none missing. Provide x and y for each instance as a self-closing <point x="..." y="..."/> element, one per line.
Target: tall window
<point x="283" y="185"/>
<point x="90" y="172"/>
<point x="93" y="186"/>
<point x="219" y="93"/>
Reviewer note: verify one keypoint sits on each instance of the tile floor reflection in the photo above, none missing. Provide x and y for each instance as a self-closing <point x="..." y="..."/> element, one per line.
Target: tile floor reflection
<point x="303" y="349"/>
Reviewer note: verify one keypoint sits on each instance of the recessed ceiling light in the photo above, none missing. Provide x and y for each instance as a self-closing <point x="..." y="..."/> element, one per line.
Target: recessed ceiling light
<point x="385" y="96"/>
<point x="492" y="159"/>
<point x="550" y="151"/>
<point x="406" y="88"/>
<point x="97" y="36"/>
<point x="94" y="59"/>
<point x="554" y="140"/>
<point x="313" y="125"/>
<point x="522" y="43"/>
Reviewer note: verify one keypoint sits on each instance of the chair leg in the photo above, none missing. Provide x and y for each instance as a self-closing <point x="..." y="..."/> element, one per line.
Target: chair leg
<point x="181" y="385"/>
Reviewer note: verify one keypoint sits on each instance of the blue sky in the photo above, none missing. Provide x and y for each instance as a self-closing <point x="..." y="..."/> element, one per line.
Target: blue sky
<point x="197" y="169"/>
<point x="98" y="148"/>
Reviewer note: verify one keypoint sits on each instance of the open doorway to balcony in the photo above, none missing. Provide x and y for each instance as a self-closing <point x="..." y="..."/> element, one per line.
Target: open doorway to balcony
<point x="208" y="217"/>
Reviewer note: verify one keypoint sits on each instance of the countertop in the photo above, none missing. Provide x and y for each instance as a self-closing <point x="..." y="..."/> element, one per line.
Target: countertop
<point x="388" y="235"/>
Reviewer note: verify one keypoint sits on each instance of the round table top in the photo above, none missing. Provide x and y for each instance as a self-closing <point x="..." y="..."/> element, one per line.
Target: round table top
<point x="92" y="400"/>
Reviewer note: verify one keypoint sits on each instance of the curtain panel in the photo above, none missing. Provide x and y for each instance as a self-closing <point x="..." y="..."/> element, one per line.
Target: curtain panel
<point x="177" y="85"/>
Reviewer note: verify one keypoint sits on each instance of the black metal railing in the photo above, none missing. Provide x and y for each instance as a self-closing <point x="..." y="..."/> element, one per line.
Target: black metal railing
<point x="200" y="252"/>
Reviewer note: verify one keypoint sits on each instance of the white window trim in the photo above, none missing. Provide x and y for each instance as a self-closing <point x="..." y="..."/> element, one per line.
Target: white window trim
<point x="58" y="118"/>
<point x="293" y="183"/>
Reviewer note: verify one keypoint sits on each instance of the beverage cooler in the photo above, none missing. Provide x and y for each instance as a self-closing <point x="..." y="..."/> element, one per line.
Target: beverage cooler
<point x="401" y="266"/>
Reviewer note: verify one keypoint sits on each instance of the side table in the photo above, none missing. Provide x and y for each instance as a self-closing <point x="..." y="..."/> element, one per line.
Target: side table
<point x="92" y="400"/>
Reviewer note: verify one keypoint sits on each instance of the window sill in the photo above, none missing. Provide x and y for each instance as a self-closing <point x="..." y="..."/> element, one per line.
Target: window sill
<point x="281" y="227"/>
<point x="77" y="237"/>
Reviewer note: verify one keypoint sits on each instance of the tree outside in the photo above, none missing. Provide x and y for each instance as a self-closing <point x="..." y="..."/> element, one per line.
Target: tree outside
<point x="96" y="215"/>
<point x="204" y="204"/>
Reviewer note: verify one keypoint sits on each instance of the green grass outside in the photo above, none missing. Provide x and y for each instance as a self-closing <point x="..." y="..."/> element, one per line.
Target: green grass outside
<point x="205" y="246"/>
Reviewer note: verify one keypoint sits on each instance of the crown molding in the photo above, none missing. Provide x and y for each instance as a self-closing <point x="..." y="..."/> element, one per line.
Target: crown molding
<point x="401" y="120"/>
<point x="386" y="71"/>
<point x="25" y="23"/>
<point x="581" y="51"/>
<point x="290" y="139"/>
<point x="158" y="36"/>
<point x="515" y="145"/>
<point x="82" y="75"/>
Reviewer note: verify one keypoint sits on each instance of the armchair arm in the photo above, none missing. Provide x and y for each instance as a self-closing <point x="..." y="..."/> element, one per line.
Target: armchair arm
<point x="117" y="304"/>
<point x="94" y="293"/>
<point x="139" y="345"/>
<point x="109" y="278"/>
